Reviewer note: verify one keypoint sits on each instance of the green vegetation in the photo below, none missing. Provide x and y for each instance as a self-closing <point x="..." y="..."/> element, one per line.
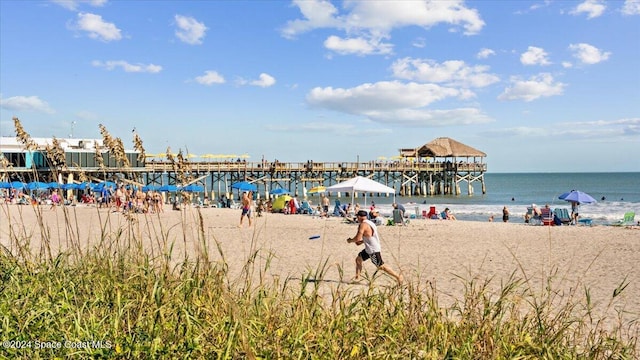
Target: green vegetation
<point x="121" y="300"/>
<point x="136" y="306"/>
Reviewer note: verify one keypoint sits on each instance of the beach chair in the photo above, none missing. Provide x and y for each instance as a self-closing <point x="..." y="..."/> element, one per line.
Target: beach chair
<point x="563" y="215"/>
<point x="547" y="217"/>
<point x="305" y="208"/>
<point x="532" y="218"/>
<point x="627" y="220"/>
<point x="433" y="214"/>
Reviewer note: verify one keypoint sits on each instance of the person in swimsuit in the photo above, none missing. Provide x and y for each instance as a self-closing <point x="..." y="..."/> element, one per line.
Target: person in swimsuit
<point x="505" y="214"/>
<point x="368" y="235"/>
<point x="246" y="207"/>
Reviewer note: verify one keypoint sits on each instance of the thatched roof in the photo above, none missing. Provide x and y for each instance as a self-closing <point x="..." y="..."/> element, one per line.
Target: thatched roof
<point x="447" y="147"/>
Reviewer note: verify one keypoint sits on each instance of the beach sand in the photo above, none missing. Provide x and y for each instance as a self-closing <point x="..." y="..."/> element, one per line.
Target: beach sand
<point x="443" y="254"/>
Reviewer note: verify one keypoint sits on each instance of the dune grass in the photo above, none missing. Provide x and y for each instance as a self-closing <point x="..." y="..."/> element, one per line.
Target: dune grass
<point x="120" y="300"/>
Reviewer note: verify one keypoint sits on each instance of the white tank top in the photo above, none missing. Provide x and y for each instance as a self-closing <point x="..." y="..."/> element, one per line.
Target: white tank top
<point x="372" y="243"/>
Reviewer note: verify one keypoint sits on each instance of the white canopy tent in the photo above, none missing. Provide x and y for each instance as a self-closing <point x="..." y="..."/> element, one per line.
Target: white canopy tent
<point x="362" y="184"/>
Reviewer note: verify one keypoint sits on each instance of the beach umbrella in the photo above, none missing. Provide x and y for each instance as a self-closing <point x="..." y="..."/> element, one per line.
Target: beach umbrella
<point x="69" y="186"/>
<point x="193" y="188"/>
<point x="53" y="185"/>
<point x="317" y="189"/>
<point x="208" y="156"/>
<point x="244" y="186"/>
<point x="577" y="196"/>
<point x="82" y="186"/>
<point x="17" y="185"/>
<point x="150" y="187"/>
<point x="98" y="187"/>
<point x="37" y="185"/>
<point x="279" y="191"/>
<point x="170" y="188"/>
<point x="4" y="185"/>
<point x="245" y="156"/>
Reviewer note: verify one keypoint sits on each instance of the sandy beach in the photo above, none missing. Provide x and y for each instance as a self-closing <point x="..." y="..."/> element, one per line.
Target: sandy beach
<point x="438" y="252"/>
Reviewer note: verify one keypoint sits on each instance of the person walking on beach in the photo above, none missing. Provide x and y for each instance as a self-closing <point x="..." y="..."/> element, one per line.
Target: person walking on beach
<point x="505" y="214"/>
<point x="246" y="207"/>
<point x="575" y="212"/>
<point x="325" y="203"/>
<point x="368" y="235"/>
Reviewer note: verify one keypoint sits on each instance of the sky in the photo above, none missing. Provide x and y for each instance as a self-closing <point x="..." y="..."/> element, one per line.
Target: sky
<point x="539" y="86"/>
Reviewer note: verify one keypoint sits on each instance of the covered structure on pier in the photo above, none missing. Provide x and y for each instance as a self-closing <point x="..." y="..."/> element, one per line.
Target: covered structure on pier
<point x="457" y="162"/>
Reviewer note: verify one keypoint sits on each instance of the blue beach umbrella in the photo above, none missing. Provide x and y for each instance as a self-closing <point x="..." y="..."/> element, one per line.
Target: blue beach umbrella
<point x="150" y="187"/>
<point x="4" y="185"/>
<point x="98" y="187"/>
<point x="170" y="188"/>
<point x="279" y="191"/>
<point x="37" y="185"/>
<point x="244" y="186"/>
<point x="193" y="188"/>
<point x="82" y="186"/>
<point x="69" y="186"/>
<point x="17" y="185"/>
<point x="53" y="185"/>
<point x="577" y="196"/>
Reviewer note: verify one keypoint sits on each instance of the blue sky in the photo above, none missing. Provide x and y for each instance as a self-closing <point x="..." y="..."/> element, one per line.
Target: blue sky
<point x="537" y="85"/>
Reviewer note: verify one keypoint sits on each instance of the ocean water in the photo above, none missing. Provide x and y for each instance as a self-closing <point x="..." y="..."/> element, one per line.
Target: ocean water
<point x="621" y="193"/>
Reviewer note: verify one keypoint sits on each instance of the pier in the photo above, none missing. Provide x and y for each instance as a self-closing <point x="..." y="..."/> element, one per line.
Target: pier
<point x="441" y="167"/>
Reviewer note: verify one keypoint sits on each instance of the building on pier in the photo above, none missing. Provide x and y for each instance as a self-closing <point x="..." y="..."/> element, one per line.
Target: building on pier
<point x="436" y="168"/>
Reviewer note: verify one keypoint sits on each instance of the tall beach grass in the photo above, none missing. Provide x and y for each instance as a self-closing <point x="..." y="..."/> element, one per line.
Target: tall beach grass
<point x="134" y="295"/>
<point x="119" y="299"/>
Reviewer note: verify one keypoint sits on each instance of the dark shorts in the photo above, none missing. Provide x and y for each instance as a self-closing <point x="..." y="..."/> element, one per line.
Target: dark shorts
<point x="376" y="258"/>
<point x="246" y="211"/>
<point x="325" y="208"/>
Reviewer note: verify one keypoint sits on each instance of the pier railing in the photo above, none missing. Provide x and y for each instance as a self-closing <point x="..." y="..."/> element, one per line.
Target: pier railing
<point x="208" y="166"/>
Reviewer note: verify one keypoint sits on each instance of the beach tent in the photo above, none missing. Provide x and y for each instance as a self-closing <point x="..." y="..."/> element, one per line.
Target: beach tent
<point x="361" y="184"/>
<point x="278" y="204"/>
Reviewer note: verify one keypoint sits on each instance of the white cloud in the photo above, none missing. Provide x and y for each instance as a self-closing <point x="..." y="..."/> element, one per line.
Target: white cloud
<point x="567" y="64"/>
<point x="98" y="28"/>
<point x="367" y="22"/>
<point x="26" y="103"/>
<point x="317" y="14"/>
<point x="534" y="56"/>
<point x="127" y="67"/>
<point x="603" y="130"/>
<point x="452" y="72"/>
<point x="190" y="30"/>
<point x="631" y="7"/>
<point x="588" y="54"/>
<point x="485" y="53"/>
<point x="358" y="46"/>
<point x="542" y="85"/>
<point x="431" y="118"/>
<point x="210" y="77"/>
<point x="593" y="8"/>
<point x="396" y="102"/>
<point x="74" y="4"/>
<point x="265" y="80"/>
<point x="380" y="96"/>
<point x="338" y="129"/>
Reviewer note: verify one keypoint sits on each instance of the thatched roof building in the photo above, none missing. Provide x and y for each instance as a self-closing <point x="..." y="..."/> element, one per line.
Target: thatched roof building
<point x="443" y="147"/>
